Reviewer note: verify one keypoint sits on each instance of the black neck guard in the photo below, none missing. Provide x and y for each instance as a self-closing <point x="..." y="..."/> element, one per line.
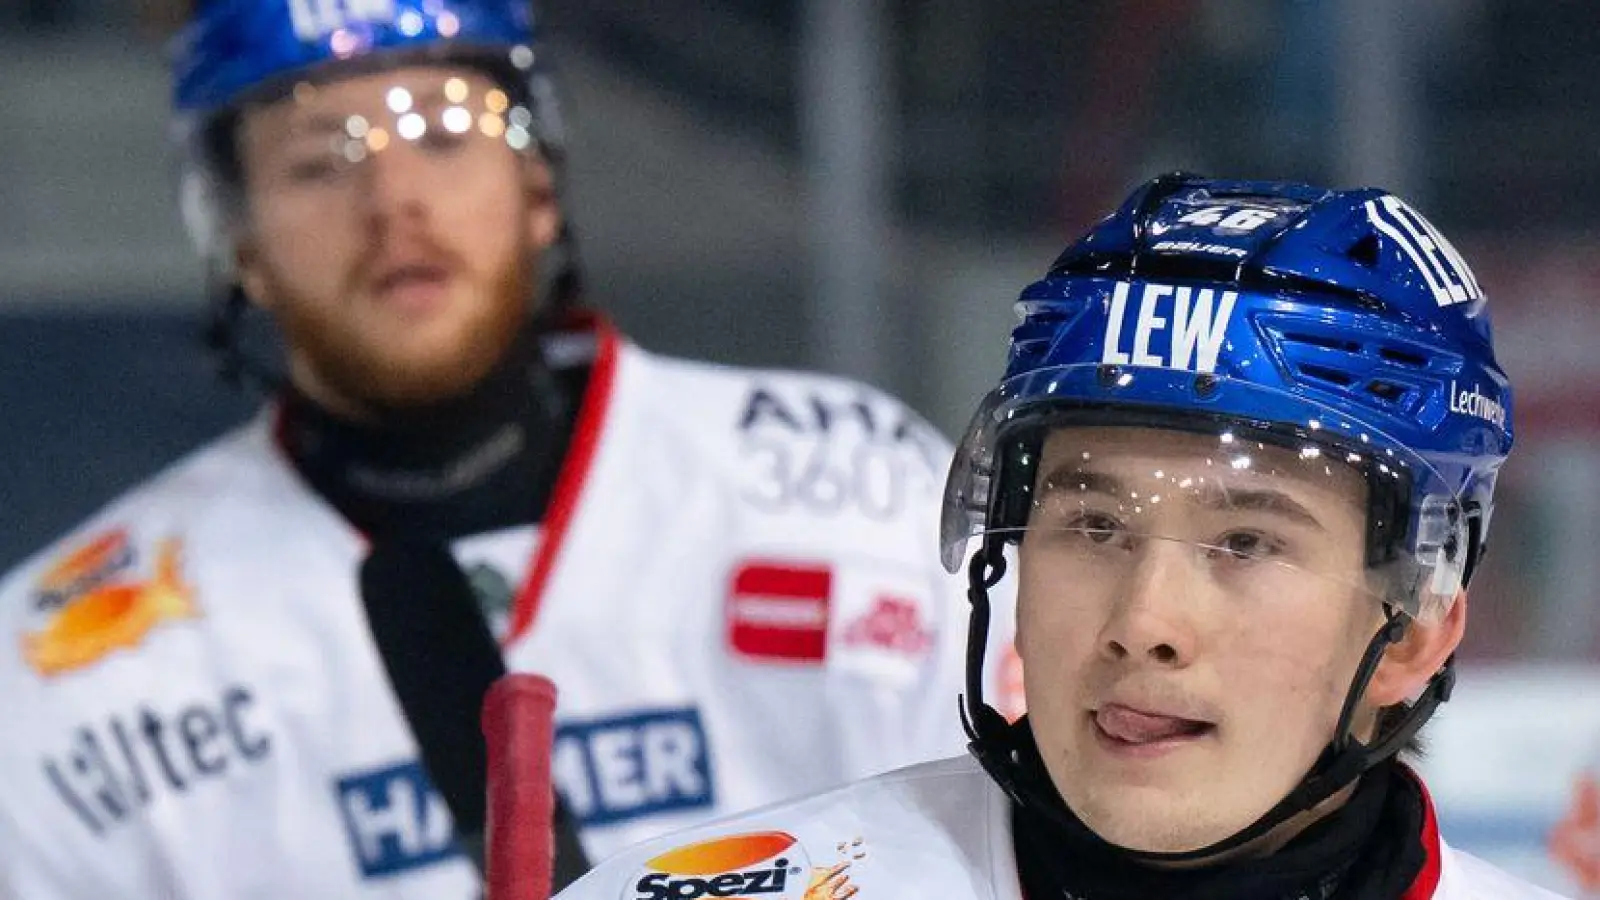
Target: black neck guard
<point x="1369" y="848"/>
<point x="479" y="462"/>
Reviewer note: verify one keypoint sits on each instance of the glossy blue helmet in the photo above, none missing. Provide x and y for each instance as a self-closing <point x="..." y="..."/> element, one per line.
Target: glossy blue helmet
<point x="1342" y="318"/>
<point x="1340" y="325"/>
<point x="235" y="48"/>
<point x="240" y="52"/>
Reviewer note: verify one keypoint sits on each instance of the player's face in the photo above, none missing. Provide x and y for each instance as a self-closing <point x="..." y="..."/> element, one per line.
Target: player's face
<point x="392" y="230"/>
<point x="1191" y="614"/>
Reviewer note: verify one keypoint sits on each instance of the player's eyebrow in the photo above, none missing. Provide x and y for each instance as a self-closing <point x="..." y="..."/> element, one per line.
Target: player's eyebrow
<point x="314" y="125"/>
<point x="1069" y="480"/>
<point x="1263" y="500"/>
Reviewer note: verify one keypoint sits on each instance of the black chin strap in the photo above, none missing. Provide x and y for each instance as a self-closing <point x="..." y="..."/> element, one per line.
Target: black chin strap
<point x="222" y="336"/>
<point x="994" y="741"/>
<point x="983" y="723"/>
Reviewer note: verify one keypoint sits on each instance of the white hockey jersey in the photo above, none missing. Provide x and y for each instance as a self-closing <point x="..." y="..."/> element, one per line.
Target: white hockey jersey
<point x="735" y="588"/>
<point x="936" y="830"/>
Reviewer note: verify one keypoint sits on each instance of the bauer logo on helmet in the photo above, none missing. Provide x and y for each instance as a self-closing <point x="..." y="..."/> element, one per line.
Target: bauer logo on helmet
<point x="318" y="18"/>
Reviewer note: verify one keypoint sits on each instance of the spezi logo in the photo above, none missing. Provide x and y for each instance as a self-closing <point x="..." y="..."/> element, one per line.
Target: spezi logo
<point x="767" y="864"/>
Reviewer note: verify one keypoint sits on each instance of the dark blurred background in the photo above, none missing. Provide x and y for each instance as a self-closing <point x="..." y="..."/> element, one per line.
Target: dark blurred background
<point x="863" y="186"/>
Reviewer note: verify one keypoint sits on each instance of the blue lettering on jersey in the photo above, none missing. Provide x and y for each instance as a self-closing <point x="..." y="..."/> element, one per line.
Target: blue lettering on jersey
<point x="617" y="769"/>
<point x="396" y="820"/>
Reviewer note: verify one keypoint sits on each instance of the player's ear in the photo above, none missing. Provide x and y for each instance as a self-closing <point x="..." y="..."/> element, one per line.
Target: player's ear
<point x="248" y="268"/>
<point x="248" y="260"/>
<point x="1408" y="664"/>
<point x="544" y="210"/>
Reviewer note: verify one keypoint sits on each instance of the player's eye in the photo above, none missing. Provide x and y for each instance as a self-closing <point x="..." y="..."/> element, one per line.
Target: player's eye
<point x="1245" y="546"/>
<point x="1097" y="527"/>
<point x="440" y="140"/>
<point x="312" y="168"/>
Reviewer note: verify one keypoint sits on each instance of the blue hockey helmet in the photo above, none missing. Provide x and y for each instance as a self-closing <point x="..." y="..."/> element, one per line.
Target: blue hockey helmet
<point x="236" y="48"/>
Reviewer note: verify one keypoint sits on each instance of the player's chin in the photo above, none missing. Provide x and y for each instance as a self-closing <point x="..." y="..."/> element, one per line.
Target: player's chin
<point x="400" y="363"/>
<point x="1149" y="820"/>
<point x="420" y="379"/>
<point x="411" y="371"/>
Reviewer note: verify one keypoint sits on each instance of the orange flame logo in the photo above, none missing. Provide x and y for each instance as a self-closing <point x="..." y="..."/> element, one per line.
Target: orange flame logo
<point x="84" y="568"/>
<point x="102" y="617"/>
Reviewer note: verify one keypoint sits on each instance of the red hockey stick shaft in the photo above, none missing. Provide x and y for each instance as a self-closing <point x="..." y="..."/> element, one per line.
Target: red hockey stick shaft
<point x="520" y="842"/>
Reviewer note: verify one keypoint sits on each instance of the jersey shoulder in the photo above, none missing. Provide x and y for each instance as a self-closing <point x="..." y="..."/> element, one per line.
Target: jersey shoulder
<point x="1466" y="877"/>
<point x="929" y="823"/>
<point x="176" y="500"/>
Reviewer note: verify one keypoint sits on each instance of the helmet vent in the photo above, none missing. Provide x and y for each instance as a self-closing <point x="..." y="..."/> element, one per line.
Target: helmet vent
<point x="1403" y="357"/>
<point x="1364" y="252"/>
<point x="1030" y="351"/>
<point x="1053" y="315"/>
<point x="1387" y="391"/>
<point x="1326" y="342"/>
<point x="1326" y="374"/>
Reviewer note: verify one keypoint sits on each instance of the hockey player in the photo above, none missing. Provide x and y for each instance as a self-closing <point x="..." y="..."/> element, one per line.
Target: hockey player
<point x="227" y="682"/>
<point x="1243" y="458"/>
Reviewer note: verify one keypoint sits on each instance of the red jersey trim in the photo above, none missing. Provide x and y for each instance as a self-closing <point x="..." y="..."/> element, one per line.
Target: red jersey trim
<point x="1427" y="881"/>
<point x="574" y="473"/>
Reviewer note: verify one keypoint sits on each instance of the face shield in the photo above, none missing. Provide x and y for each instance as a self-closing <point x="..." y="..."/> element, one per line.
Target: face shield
<point x="315" y="141"/>
<point x="1301" y="508"/>
<point x="312" y="135"/>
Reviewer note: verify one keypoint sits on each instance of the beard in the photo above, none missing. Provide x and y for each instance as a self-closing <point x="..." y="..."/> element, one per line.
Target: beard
<point x="352" y="367"/>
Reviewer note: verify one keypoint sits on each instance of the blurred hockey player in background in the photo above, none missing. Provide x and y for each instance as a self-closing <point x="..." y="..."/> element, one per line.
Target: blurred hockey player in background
<point x="258" y="674"/>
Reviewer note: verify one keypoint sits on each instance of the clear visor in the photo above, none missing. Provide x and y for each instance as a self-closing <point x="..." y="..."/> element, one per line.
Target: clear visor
<point x="429" y="122"/>
<point x="1113" y="495"/>
<point x="322" y="134"/>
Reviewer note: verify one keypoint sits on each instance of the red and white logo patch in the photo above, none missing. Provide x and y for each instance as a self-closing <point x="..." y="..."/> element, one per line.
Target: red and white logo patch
<point x="778" y="611"/>
<point x="893" y="624"/>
